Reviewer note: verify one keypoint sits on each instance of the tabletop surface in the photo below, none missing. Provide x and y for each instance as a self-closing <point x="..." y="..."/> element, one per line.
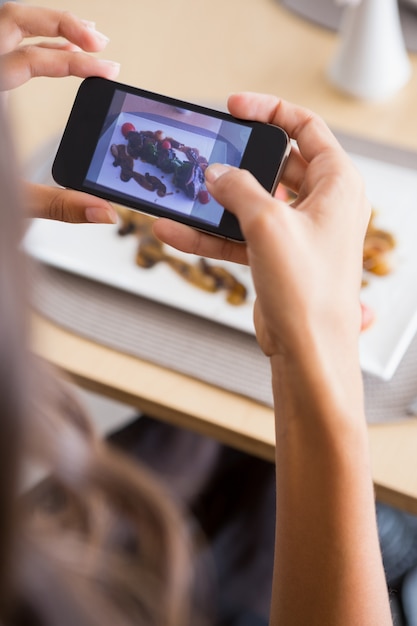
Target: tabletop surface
<point x="202" y="52"/>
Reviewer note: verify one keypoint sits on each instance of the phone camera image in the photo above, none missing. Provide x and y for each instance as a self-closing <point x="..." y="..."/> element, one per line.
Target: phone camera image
<point x="149" y="152"/>
<point x="157" y="153"/>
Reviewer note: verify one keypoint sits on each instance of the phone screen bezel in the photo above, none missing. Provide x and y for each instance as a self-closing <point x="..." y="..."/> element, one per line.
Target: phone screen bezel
<point x="264" y="156"/>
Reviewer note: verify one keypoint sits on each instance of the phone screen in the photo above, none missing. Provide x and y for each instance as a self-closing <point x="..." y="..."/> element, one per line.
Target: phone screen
<point x="156" y="153"/>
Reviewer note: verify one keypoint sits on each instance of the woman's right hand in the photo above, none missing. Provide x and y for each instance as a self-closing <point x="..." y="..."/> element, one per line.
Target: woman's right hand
<point x="306" y="263"/>
<point x="306" y="258"/>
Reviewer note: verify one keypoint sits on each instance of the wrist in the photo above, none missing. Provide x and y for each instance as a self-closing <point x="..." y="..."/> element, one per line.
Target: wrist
<point x="319" y="383"/>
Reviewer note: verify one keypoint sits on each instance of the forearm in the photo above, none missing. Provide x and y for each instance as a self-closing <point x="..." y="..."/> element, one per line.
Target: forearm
<point x="328" y="564"/>
<point x="306" y="262"/>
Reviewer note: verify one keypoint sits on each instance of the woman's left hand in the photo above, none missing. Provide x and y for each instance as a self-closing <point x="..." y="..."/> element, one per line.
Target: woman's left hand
<point x="63" y="53"/>
<point x="66" y="56"/>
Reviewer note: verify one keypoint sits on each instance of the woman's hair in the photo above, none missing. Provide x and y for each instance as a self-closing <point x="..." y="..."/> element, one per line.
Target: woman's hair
<point x="98" y="541"/>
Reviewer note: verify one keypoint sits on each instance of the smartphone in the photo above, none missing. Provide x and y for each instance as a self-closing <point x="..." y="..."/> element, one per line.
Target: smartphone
<point x="148" y="152"/>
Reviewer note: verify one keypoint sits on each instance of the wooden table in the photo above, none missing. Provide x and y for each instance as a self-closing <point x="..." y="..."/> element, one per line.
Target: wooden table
<point x="203" y="51"/>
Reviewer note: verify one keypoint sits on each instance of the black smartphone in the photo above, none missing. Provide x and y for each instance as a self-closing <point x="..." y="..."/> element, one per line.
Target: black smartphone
<point x="149" y="152"/>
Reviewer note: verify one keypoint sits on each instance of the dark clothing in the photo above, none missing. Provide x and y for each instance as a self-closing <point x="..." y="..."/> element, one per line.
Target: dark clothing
<point x="231" y="496"/>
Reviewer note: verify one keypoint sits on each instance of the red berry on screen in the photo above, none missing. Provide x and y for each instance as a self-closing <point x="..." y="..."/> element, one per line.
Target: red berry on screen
<point x="203" y="196"/>
<point x="127" y="128"/>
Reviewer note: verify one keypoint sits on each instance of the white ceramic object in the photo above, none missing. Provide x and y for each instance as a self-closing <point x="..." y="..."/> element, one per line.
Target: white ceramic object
<point x="371" y="61"/>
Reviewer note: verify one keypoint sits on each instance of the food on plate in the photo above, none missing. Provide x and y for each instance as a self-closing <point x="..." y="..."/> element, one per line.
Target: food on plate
<point x="203" y="196"/>
<point x="378" y="246"/>
<point x="164" y="153"/>
<point x="127" y="127"/>
<point x="377" y="250"/>
<point x="201" y="274"/>
<point x="148" y="182"/>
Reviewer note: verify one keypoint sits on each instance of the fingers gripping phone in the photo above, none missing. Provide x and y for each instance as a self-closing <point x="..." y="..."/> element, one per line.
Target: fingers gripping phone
<point x="149" y="153"/>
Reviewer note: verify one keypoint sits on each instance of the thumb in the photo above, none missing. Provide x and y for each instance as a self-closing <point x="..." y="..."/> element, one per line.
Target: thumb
<point x="239" y="192"/>
<point x="67" y="205"/>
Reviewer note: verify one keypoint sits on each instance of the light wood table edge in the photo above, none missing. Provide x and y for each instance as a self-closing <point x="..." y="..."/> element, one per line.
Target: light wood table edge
<point x="231" y="419"/>
<point x="157" y="391"/>
<point x="387" y="495"/>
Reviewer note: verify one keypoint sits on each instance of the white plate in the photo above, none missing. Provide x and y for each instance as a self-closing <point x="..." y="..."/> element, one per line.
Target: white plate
<point x="99" y="253"/>
<point x="393" y="192"/>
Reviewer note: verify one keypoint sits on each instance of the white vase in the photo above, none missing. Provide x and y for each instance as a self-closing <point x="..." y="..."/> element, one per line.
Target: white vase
<point x="371" y="61"/>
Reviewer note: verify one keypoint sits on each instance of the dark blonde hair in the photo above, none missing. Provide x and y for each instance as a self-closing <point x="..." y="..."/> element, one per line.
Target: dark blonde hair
<point x="98" y="541"/>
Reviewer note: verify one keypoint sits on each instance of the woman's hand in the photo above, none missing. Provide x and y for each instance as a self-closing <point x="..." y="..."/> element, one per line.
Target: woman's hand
<point x="63" y="53"/>
<point x="306" y="259"/>
<point x="53" y="57"/>
<point x="306" y="262"/>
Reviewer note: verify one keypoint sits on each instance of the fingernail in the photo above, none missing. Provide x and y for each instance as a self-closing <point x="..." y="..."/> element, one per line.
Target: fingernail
<point x="101" y="36"/>
<point x="94" y="215"/>
<point x="110" y="65"/>
<point x="214" y="171"/>
<point x="89" y="24"/>
<point x="92" y="26"/>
